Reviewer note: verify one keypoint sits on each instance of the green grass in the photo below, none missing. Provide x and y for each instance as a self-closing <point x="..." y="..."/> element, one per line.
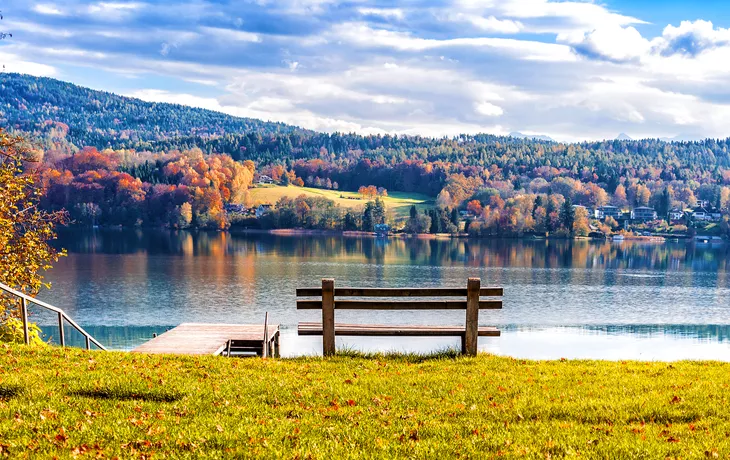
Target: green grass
<point x="67" y="403"/>
<point x="400" y="203"/>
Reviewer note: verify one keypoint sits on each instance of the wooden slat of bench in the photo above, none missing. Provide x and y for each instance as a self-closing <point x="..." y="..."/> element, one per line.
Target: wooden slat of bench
<point x="398" y="305"/>
<point x="400" y="292"/>
<point x="388" y="330"/>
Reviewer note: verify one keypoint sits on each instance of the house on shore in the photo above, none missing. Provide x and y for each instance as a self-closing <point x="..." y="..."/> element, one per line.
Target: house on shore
<point x="643" y="214"/>
<point x="265" y="180"/>
<point x="608" y="211"/>
<point x="382" y="230"/>
<point x="706" y="214"/>
<point x="262" y="209"/>
<point x="237" y="208"/>
<point x="675" y="215"/>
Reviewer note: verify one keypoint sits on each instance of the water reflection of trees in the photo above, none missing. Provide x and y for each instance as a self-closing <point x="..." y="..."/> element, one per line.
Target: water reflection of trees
<point x="543" y="254"/>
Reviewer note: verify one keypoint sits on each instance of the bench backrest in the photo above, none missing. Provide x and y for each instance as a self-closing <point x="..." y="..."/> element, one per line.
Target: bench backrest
<point x="470" y="302"/>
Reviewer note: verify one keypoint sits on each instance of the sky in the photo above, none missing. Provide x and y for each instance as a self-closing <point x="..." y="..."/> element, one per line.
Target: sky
<point x="572" y="70"/>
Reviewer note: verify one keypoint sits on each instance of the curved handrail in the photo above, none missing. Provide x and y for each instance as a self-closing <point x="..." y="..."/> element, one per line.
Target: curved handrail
<point x="25" y="299"/>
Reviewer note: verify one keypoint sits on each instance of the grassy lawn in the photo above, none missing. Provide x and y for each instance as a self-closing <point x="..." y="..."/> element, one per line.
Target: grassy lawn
<point x="69" y="403"/>
<point x="400" y="203"/>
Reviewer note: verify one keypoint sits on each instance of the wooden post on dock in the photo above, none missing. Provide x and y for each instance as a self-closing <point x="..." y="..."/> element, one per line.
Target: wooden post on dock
<point x="471" y="334"/>
<point x="265" y="351"/>
<point x="328" y="317"/>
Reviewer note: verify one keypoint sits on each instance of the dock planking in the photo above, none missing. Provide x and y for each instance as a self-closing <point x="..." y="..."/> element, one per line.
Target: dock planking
<point x="208" y="339"/>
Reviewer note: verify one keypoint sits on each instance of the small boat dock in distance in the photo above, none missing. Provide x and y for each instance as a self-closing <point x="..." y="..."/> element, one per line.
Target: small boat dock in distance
<point x="215" y="339"/>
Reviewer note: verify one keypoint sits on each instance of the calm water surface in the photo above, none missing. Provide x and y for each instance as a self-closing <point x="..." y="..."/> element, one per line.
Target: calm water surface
<point x="562" y="299"/>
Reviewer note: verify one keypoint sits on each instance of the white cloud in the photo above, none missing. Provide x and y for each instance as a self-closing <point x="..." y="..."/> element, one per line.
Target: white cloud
<point x="489" y="24"/>
<point x="692" y="38"/>
<point x="395" y="13"/>
<point x="231" y="34"/>
<point x="48" y="9"/>
<point x="488" y="109"/>
<point x="293" y="65"/>
<point x="14" y="63"/>
<point x="570" y="15"/>
<point x="297" y="7"/>
<point x="114" y="11"/>
<point x="165" y="48"/>
<point x="570" y="69"/>
<point x="40" y="29"/>
<point x="613" y="42"/>
<point x="103" y="7"/>
<point x="362" y="35"/>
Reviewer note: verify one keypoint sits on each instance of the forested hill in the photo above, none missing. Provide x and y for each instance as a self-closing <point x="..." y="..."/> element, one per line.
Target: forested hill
<point x="102" y="119"/>
<point x="64" y="116"/>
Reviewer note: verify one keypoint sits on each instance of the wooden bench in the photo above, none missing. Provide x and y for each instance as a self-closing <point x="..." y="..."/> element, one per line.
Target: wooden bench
<point x="470" y="302"/>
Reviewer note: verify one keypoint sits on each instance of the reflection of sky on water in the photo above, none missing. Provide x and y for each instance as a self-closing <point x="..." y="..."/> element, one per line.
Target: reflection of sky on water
<point x="633" y="298"/>
<point x="608" y="342"/>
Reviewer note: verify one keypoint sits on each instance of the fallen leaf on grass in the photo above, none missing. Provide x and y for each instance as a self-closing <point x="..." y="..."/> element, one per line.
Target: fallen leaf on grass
<point x="61" y="436"/>
<point x="48" y="413"/>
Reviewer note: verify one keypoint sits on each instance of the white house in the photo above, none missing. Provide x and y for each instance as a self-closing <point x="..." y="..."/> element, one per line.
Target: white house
<point x="608" y="211"/>
<point x="262" y="209"/>
<point x="676" y="214"/>
<point x="264" y="179"/>
<point x="643" y="213"/>
<point x="705" y="214"/>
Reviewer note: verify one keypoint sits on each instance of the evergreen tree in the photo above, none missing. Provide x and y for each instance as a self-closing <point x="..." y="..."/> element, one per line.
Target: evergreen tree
<point x="455" y="217"/>
<point x="538" y="203"/>
<point x="435" y="222"/>
<point x="567" y="215"/>
<point x="664" y="204"/>
<point x="548" y="221"/>
<point x="368" y="224"/>
<point x="378" y="212"/>
<point x="350" y="222"/>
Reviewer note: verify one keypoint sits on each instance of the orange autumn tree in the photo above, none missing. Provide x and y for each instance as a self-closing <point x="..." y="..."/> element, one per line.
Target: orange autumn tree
<point x="25" y="232"/>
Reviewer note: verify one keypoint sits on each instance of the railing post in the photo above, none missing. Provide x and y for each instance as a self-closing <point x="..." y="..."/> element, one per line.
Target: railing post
<point x="265" y="351"/>
<point x="88" y="342"/>
<point x="471" y="333"/>
<point x="328" y="317"/>
<point x="24" y="316"/>
<point x="61" y="333"/>
<point x="277" y="351"/>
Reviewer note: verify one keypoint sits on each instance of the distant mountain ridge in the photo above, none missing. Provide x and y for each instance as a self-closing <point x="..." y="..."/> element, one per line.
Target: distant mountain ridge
<point x="101" y="118"/>
<point x="539" y="137"/>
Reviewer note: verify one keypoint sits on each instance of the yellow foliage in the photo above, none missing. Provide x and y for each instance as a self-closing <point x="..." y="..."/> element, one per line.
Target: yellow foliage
<point x="24" y="232"/>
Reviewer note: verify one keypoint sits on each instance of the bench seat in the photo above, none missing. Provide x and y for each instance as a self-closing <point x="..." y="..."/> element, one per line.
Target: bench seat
<point x="306" y="328"/>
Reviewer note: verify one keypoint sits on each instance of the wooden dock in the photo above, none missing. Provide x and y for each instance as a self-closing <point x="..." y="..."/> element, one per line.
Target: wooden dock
<point x="215" y="339"/>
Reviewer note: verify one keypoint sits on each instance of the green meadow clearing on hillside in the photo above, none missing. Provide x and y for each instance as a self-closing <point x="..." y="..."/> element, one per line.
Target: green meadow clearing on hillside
<point x="74" y="403"/>
<point x="398" y="202"/>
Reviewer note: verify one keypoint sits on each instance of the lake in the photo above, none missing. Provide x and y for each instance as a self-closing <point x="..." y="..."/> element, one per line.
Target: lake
<point x="573" y="299"/>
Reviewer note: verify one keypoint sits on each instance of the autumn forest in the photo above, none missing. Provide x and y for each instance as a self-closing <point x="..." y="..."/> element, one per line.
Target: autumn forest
<point x="111" y="160"/>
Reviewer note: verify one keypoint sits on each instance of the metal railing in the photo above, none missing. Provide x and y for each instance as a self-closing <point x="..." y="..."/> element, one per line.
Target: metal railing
<point x="25" y="300"/>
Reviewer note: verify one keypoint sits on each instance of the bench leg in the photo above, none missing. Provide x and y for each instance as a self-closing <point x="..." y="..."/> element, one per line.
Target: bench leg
<point x="328" y="317"/>
<point x="463" y="344"/>
<point x="471" y="333"/>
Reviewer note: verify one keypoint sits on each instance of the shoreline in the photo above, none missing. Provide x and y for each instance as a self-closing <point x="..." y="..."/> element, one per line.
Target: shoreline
<point x="417" y="236"/>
